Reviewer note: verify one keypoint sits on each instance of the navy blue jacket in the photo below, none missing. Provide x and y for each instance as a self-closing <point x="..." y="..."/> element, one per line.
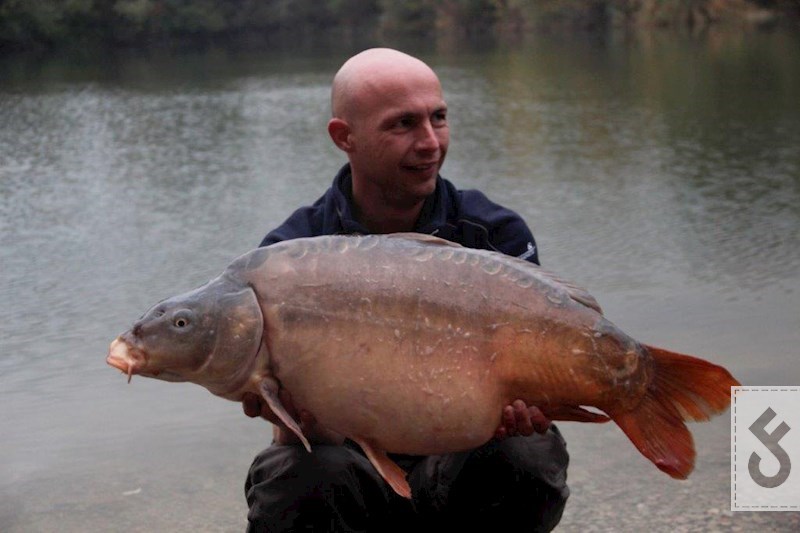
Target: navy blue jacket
<point x="467" y="217"/>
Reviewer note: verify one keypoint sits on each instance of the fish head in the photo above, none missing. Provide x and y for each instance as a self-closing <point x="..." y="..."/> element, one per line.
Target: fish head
<point x="206" y="336"/>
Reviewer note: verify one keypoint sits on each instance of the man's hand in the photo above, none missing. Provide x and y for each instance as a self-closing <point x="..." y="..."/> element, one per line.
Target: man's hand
<point x="519" y="419"/>
<point x="254" y="406"/>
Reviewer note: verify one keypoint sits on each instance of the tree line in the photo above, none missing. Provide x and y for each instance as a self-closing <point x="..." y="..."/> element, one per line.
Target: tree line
<point x="54" y="23"/>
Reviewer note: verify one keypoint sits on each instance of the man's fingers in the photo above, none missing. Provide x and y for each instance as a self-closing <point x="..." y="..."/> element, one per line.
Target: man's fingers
<point x="251" y="405"/>
<point x="509" y="425"/>
<point x="522" y="417"/>
<point x="254" y="406"/>
<point x="539" y="421"/>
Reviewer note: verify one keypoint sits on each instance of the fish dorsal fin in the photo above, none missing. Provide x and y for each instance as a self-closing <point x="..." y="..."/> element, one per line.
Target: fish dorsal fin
<point x="422" y="238"/>
<point x="576" y="292"/>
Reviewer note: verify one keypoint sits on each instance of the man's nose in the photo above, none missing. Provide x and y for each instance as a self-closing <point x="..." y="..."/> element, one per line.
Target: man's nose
<point x="427" y="139"/>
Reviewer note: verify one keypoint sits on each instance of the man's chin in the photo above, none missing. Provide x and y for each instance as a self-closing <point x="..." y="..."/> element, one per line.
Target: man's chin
<point x="422" y="182"/>
<point x="422" y="191"/>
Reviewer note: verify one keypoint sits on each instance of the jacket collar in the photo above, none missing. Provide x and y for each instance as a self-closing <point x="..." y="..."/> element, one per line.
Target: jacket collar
<point x="432" y="217"/>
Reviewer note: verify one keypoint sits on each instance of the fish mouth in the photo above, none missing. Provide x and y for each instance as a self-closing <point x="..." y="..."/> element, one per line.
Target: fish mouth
<point x="122" y="357"/>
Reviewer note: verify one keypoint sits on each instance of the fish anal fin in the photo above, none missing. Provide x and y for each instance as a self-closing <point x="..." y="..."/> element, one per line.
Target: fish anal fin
<point x="572" y="413"/>
<point x="683" y="388"/>
<point x="388" y="469"/>
<point x="269" y="391"/>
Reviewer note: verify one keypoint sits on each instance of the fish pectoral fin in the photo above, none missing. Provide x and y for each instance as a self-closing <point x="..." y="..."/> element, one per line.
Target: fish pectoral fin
<point x="572" y="413"/>
<point x="388" y="469"/>
<point x="269" y="391"/>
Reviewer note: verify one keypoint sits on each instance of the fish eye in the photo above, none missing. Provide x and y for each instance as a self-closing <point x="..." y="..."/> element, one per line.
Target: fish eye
<point x="182" y="319"/>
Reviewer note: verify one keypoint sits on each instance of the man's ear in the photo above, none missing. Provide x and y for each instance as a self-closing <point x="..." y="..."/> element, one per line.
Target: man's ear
<point x="339" y="131"/>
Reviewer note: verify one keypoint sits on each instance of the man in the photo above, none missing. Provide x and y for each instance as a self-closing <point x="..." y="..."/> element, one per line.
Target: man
<point x="390" y="118"/>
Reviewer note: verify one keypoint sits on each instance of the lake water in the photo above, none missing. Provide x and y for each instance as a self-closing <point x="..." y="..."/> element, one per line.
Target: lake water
<point x="662" y="173"/>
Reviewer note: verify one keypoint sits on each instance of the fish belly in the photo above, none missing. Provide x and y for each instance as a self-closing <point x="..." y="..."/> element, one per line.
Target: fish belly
<point x="408" y="391"/>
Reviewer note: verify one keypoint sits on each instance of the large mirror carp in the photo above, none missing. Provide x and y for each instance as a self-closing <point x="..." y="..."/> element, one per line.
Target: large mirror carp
<point x="411" y="344"/>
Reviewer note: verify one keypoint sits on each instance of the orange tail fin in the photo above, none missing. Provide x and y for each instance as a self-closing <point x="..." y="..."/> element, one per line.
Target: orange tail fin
<point x="683" y="388"/>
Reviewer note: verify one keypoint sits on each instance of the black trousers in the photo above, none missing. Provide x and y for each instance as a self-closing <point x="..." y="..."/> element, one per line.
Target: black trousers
<point x="517" y="484"/>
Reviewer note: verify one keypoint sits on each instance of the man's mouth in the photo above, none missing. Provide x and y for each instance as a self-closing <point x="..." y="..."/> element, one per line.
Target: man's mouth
<point x="422" y="167"/>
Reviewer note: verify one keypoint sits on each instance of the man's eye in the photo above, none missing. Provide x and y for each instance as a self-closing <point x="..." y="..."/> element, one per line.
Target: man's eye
<point x="406" y="122"/>
<point x="439" y="118"/>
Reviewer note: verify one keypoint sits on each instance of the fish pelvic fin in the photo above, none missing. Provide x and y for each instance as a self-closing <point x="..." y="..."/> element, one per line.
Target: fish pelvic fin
<point x="684" y="388"/>
<point x="388" y="469"/>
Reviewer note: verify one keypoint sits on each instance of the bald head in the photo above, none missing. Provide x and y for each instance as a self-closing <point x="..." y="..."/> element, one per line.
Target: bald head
<point x="390" y="118"/>
<point x="371" y="73"/>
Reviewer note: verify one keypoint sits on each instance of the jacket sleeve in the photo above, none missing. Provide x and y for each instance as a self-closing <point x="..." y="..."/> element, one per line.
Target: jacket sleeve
<point x="514" y="237"/>
<point x="506" y="231"/>
<point x="302" y="223"/>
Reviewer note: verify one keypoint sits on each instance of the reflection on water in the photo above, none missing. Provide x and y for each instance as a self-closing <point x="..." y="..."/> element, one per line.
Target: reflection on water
<point x="663" y="174"/>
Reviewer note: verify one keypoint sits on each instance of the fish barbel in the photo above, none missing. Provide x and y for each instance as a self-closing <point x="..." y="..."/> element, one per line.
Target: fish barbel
<point x="426" y="334"/>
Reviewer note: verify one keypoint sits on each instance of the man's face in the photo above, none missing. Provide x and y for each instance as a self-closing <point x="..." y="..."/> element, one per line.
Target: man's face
<point x="400" y="137"/>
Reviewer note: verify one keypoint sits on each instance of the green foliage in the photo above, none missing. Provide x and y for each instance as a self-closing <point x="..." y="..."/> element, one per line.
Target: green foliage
<point x="52" y="23"/>
<point x="135" y="11"/>
<point x="412" y="17"/>
<point x="583" y="14"/>
<point x="354" y="12"/>
<point x="480" y="14"/>
<point x="30" y="21"/>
